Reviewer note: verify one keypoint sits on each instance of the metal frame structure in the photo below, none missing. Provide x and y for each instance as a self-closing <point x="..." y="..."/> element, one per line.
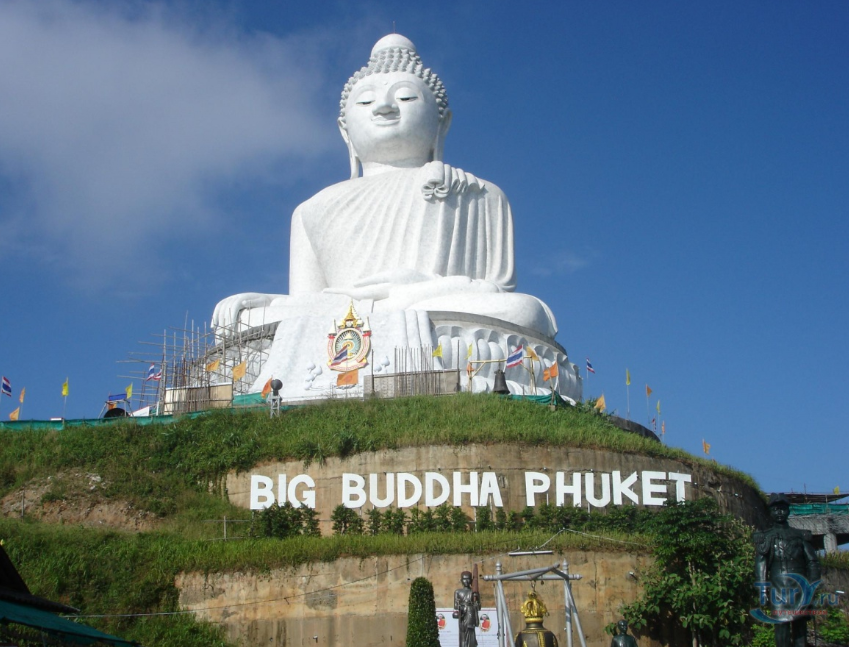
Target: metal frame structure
<point x="555" y="573"/>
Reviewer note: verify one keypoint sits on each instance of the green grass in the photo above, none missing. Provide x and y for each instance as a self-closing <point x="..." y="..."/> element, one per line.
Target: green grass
<point x="117" y="573"/>
<point x="149" y="465"/>
<point x="177" y="471"/>
<point x="839" y="561"/>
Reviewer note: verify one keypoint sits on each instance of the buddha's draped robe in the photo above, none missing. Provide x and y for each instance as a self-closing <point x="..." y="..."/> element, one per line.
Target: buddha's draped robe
<point x="361" y="227"/>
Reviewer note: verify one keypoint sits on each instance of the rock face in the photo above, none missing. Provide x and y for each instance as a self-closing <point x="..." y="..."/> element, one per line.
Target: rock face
<point x="75" y="498"/>
<point x="364" y="601"/>
<point x="510" y="465"/>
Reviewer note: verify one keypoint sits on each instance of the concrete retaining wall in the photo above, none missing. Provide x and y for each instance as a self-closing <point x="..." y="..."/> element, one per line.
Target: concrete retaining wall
<point x="364" y="602"/>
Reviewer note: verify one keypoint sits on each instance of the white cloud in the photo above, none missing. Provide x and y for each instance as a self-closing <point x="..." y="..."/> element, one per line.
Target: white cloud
<point x="561" y="262"/>
<point x="117" y="122"/>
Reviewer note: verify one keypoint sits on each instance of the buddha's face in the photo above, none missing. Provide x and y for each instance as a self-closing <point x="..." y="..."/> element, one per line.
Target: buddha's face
<point x="392" y="119"/>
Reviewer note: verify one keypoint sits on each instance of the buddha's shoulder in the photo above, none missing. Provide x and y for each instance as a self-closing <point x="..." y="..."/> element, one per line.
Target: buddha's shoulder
<point x="378" y="187"/>
<point x="327" y="194"/>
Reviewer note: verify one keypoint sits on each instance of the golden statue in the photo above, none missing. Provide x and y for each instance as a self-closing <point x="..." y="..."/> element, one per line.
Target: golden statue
<point x="534" y="634"/>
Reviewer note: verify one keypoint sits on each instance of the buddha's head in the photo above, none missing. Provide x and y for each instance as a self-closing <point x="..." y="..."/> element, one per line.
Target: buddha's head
<point x="394" y="111"/>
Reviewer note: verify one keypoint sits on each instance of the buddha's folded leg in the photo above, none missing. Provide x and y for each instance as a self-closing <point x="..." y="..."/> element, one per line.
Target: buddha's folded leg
<point x="520" y="309"/>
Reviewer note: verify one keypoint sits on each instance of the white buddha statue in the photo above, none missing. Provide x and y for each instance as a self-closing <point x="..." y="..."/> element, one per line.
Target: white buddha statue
<point x="411" y="233"/>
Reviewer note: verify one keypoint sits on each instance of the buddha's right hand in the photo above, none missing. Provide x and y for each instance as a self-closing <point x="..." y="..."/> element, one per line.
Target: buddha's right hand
<point x="227" y="311"/>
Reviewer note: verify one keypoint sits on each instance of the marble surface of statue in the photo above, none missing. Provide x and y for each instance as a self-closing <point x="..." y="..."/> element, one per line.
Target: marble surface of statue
<point x="782" y="555"/>
<point x="467" y="606"/>
<point x="412" y="232"/>
<point x="406" y="236"/>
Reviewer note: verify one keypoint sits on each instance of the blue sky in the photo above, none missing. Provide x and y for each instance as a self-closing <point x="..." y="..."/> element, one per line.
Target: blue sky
<point x="677" y="172"/>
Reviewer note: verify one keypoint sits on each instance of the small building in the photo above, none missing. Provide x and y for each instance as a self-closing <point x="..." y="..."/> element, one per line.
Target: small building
<point x="823" y="516"/>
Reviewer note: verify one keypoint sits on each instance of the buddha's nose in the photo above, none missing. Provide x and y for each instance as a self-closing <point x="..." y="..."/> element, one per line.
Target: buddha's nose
<point x="384" y="105"/>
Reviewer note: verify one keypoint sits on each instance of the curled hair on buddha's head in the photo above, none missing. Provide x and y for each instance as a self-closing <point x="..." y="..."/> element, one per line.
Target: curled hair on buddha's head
<point x="398" y="55"/>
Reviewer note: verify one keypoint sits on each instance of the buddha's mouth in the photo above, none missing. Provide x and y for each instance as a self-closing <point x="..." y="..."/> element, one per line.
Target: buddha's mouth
<point x="385" y="121"/>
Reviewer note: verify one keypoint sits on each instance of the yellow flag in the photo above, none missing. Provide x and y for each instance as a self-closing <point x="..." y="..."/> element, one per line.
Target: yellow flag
<point x="437" y="352"/>
<point x="469" y="354"/>
<point x="129" y="392"/>
<point x="658" y="407"/>
<point x="240" y="370"/>
<point x="14" y="415"/>
<point x="349" y="378"/>
<point x="23" y="392"/>
<point x="530" y="353"/>
<point x="627" y="377"/>
<point x="705" y="446"/>
<point x="837" y="490"/>
<point x="600" y="404"/>
<point x="648" y="390"/>
<point x="213" y="366"/>
<point x="65" y="387"/>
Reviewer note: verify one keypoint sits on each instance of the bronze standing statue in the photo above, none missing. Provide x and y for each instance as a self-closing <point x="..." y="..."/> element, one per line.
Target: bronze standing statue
<point x="467" y="604"/>
<point x="622" y="639"/>
<point x="786" y="561"/>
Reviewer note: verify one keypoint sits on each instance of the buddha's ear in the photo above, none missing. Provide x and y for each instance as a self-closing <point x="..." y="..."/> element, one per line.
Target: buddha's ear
<point x="441" y="133"/>
<point x="352" y="154"/>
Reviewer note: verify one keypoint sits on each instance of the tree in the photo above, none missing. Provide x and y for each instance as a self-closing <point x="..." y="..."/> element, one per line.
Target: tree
<point x="702" y="577"/>
<point x="422" y="630"/>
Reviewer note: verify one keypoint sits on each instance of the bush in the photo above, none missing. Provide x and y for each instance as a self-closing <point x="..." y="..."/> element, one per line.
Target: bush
<point x="702" y="575"/>
<point x="284" y="521"/>
<point x="484" y="520"/>
<point x="422" y="630"/>
<point x="346" y="521"/>
<point x="394" y="521"/>
<point x="835" y="628"/>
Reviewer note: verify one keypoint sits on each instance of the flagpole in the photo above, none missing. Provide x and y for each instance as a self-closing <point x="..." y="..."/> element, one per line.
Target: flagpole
<point x="628" y="393"/>
<point x="648" y="415"/>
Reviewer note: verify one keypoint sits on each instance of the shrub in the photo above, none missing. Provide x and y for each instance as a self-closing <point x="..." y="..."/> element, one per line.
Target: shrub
<point x="346" y="521"/>
<point x="484" y="520"/>
<point x="702" y="575"/>
<point x="422" y="630"/>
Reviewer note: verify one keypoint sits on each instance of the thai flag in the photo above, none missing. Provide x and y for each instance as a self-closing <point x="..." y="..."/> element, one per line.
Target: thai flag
<point x="515" y="358"/>
<point x="7" y="386"/>
<point x="590" y="366"/>
<point x="153" y="374"/>
<point x="341" y="356"/>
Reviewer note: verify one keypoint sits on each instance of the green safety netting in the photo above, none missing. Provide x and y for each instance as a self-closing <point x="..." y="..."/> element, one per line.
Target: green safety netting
<point x="239" y="401"/>
<point x="94" y="422"/>
<point x="50" y="623"/>
<point x="802" y="509"/>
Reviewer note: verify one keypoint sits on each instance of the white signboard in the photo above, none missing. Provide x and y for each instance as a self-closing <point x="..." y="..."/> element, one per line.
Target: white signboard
<point x="486" y="633"/>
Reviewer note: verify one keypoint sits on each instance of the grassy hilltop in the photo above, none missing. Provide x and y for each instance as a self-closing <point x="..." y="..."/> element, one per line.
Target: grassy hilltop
<point x="168" y="480"/>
